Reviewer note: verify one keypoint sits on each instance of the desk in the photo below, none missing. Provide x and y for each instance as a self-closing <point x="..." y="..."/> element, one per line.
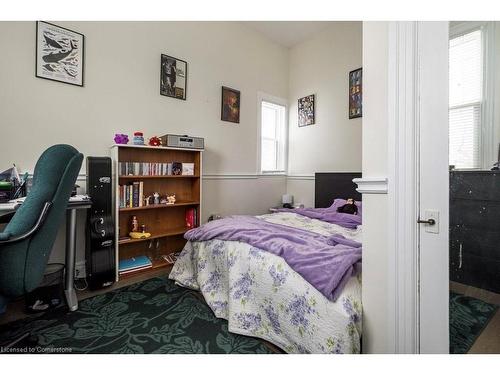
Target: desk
<point x="69" y="274"/>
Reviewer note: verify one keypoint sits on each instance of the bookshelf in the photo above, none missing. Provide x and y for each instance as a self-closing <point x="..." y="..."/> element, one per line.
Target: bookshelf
<point x="166" y="223"/>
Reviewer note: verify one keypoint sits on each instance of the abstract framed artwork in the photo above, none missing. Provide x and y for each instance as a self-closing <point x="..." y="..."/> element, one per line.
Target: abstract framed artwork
<point x="230" y="105"/>
<point x="356" y="93"/>
<point x="173" y="77"/>
<point x="59" y="54"/>
<point x="306" y="110"/>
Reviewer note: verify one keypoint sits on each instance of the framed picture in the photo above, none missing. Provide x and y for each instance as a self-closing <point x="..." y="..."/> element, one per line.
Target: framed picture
<point x="230" y="105"/>
<point x="306" y="110"/>
<point x="59" y="54"/>
<point x="356" y="93"/>
<point x="173" y="77"/>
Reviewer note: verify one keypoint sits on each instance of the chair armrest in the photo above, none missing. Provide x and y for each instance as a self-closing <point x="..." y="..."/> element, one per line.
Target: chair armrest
<point x="29" y="233"/>
<point x="5" y="218"/>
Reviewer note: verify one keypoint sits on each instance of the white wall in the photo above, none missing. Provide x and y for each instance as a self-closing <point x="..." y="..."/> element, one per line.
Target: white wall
<point x="121" y="94"/>
<point x="320" y="66"/>
<point x="375" y="250"/>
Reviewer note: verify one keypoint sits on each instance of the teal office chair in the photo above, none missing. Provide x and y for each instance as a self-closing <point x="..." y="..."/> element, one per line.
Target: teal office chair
<point x="27" y="240"/>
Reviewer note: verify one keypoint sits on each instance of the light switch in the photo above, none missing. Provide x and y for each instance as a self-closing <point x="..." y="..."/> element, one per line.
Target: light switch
<point x="432" y="214"/>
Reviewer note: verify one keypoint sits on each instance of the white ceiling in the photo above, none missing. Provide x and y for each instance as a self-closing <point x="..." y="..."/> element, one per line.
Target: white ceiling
<point x="288" y="33"/>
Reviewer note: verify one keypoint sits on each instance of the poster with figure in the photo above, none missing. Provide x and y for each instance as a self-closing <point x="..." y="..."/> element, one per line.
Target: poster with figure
<point x="230" y="105"/>
<point x="173" y="77"/>
<point x="306" y="110"/>
<point x="355" y="93"/>
<point x="59" y="54"/>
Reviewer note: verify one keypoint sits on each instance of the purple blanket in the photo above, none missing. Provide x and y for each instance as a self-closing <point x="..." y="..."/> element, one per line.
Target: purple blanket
<point x="329" y="215"/>
<point x="326" y="263"/>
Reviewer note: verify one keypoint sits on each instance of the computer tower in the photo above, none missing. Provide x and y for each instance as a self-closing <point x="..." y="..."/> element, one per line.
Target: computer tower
<point x="100" y="245"/>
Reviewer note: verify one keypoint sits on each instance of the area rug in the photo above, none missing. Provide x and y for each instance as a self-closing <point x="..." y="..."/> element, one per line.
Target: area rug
<point x="468" y="317"/>
<point x="154" y="316"/>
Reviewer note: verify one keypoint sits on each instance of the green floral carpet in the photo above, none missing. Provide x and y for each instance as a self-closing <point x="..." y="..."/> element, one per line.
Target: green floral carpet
<point x="468" y="318"/>
<point x="154" y="316"/>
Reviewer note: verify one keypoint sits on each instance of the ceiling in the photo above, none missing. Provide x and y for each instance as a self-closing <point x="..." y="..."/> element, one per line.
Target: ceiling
<point x="288" y="33"/>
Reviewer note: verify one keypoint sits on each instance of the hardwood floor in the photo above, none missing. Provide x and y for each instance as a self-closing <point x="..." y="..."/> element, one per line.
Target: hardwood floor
<point x="488" y="341"/>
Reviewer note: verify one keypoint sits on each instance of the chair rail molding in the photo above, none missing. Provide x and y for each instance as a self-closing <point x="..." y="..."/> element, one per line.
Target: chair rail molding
<point x="371" y="185"/>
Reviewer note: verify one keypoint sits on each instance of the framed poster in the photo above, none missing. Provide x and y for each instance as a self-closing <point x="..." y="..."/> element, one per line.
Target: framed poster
<point x="59" y="54"/>
<point x="173" y="77"/>
<point x="356" y="93"/>
<point x="230" y="105"/>
<point x="306" y="110"/>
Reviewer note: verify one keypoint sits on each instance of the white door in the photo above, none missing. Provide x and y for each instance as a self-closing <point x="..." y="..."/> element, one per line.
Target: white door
<point x="433" y="186"/>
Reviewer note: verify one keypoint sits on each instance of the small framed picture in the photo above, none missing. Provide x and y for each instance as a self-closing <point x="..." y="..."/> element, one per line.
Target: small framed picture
<point x="59" y="54"/>
<point x="230" y="105"/>
<point x="306" y="110"/>
<point x="173" y="77"/>
<point x="356" y="93"/>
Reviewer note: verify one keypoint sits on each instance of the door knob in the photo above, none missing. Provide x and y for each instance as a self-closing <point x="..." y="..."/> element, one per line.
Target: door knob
<point x="429" y="221"/>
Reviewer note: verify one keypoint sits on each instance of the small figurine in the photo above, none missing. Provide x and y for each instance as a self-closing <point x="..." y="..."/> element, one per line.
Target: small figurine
<point x="121" y="139"/>
<point x="134" y="226"/>
<point x="163" y="200"/>
<point x="171" y="199"/>
<point x="154" y="141"/>
<point x="156" y="197"/>
<point x="138" y="139"/>
<point x="143" y="228"/>
<point x="147" y="200"/>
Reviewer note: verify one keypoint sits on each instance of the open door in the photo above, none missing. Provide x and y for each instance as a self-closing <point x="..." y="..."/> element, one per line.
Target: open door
<point x="433" y="191"/>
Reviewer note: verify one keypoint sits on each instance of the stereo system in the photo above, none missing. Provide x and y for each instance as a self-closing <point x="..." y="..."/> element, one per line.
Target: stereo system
<point x="100" y="244"/>
<point x="182" y="141"/>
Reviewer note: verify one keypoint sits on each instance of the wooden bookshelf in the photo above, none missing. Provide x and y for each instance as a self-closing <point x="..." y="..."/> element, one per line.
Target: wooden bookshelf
<point x="166" y="223"/>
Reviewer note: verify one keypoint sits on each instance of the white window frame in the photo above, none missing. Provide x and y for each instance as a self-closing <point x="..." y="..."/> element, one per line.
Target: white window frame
<point x="487" y="148"/>
<point x="263" y="97"/>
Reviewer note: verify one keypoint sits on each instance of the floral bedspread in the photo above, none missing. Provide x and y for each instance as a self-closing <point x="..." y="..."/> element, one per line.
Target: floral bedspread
<point x="261" y="296"/>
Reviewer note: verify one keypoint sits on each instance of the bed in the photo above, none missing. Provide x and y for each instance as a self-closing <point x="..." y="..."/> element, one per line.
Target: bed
<point x="261" y="295"/>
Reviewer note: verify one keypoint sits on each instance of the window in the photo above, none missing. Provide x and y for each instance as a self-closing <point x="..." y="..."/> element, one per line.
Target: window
<point x="273" y="137"/>
<point x="466" y="99"/>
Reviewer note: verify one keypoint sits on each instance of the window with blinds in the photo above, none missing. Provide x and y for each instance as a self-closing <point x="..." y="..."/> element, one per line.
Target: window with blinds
<point x="273" y="128"/>
<point x="466" y="96"/>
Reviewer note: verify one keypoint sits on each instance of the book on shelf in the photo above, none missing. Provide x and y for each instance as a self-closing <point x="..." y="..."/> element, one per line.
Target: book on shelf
<point x="188" y="169"/>
<point x="131" y="168"/>
<point x="131" y="195"/>
<point x="191" y="218"/>
<point x="137" y="263"/>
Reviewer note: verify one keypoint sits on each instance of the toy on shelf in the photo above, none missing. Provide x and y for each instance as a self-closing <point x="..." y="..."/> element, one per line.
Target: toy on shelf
<point x="156" y="197"/>
<point x="154" y="141"/>
<point x="134" y="229"/>
<point x="171" y="199"/>
<point x="138" y="139"/>
<point x="121" y="139"/>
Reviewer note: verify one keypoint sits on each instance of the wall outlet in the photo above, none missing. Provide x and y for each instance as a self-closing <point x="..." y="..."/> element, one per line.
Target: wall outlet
<point x="80" y="270"/>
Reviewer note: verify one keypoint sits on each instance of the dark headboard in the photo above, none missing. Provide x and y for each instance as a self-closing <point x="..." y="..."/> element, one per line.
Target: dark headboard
<point x="329" y="186"/>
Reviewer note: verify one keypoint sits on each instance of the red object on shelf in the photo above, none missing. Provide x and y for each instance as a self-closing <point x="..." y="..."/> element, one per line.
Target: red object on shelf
<point x="190" y="218"/>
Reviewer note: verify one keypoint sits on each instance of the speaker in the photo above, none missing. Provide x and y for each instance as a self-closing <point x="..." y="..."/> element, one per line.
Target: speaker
<point x="100" y="245"/>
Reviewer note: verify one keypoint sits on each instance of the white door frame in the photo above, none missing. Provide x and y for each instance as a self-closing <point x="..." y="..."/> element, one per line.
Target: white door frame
<point x="403" y="180"/>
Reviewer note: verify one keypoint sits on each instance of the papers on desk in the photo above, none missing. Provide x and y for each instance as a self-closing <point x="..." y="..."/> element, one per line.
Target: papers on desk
<point x="15" y="203"/>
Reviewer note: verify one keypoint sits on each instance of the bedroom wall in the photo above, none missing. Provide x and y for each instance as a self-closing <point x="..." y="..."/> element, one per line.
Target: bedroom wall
<point x="320" y="66"/>
<point x="121" y="93"/>
<point x="376" y="325"/>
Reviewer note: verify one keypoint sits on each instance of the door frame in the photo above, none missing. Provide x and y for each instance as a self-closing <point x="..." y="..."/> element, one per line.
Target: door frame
<point x="404" y="110"/>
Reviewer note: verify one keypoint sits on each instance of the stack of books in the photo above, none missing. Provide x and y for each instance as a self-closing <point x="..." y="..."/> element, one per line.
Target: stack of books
<point x="171" y="258"/>
<point x="131" y="195"/>
<point x="132" y="168"/>
<point x="135" y="264"/>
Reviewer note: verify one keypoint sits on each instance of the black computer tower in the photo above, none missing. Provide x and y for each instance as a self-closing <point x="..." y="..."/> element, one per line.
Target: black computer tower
<point x="100" y="245"/>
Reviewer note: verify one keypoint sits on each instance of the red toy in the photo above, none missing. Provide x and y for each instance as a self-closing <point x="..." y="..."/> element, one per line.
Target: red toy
<point x="154" y="141"/>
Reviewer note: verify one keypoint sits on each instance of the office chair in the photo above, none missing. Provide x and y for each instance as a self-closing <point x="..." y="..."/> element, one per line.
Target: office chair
<point x="27" y="240"/>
